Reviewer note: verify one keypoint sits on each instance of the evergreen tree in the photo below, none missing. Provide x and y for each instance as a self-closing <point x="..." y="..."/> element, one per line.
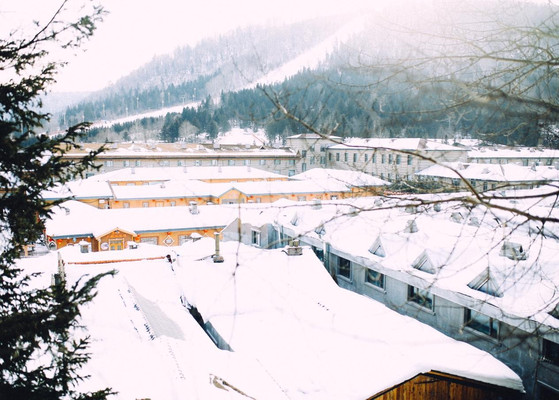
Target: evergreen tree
<point x="41" y="351"/>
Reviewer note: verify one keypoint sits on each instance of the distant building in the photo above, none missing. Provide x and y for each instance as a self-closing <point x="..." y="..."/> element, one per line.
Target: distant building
<point x="127" y="155"/>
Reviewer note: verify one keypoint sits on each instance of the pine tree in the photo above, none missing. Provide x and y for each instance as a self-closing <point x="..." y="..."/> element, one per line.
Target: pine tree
<point x="41" y="352"/>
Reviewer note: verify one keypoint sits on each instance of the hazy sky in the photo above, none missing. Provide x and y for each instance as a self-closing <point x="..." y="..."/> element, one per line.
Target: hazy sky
<point x="136" y="30"/>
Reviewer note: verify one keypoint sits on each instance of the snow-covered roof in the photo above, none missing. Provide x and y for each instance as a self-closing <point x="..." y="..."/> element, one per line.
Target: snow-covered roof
<point x="492" y="172"/>
<point x="75" y="219"/>
<point x="404" y="144"/>
<point x="462" y="243"/>
<point x="185" y="173"/>
<point x="512" y="152"/>
<point x="293" y="332"/>
<point x="350" y="178"/>
<point x="80" y="189"/>
<point x="302" y="327"/>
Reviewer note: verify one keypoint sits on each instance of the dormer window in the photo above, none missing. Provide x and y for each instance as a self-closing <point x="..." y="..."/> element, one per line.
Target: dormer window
<point x="424" y="263"/>
<point x="377" y="249"/>
<point x="295" y="220"/>
<point x="555" y="312"/>
<point x="513" y="251"/>
<point x="486" y="283"/>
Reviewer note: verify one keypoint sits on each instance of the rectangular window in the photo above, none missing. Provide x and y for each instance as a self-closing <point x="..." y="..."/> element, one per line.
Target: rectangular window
<point x="247" y="162"/>
<point x="322" y="160"/>
<point x="262" y="162"/>
<point x="420" y="296"/>
<point x="301" y="198"/>
<point x="337" y="156"/>
<point x="303" y="153"/>
<point x="109" y="163"/>
<point x="291" y="172"/>
<point x="318" y="252"/>
<point x="398" y="159"/>
<point x="312" y="160"/>
<point x="374" y="278"/>
<point x="374" y="160"/>
<point x="126" y="205"/>
<point x="255" y="238"/>
<point x="551" y="351"/>
<point x="230" y="162"/>
<point x="390" y="157"/>
<point x="304" y="167"/>
<point x="145" y="204"/>
<point x="277" y="162"/>
<point x="197" y="163"/>
<point x="366" y="157"/>
<point x="126" y="163"/>
<point x="383" y="159"/>
<point x="290" y="162"/>
<point x="179" y="163"/>
<point x="164" y="163"/>
<point x="344" y="268"/>
<point x="312" y="148"/>
<point x="345" y="157"/>
<point x="138" y="163"/>
<point x="172" y="203"/>
<point x="355" y="156"/>
<point x="329" y="156"/>
<point x="481" y="323"/>
<point x="409" y="159"/>
<point x="213" y="163"/>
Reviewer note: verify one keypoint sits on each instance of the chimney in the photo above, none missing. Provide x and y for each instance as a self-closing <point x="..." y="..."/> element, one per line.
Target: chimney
<point x="217" y="257"/>
<point x="193" y="207"/>
<point x="294" y="249"/>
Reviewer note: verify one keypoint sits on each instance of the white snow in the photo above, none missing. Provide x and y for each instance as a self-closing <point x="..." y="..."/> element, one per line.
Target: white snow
<point x="294" y="333"/>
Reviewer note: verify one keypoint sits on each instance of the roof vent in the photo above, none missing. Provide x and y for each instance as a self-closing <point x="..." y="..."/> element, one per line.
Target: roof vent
<point x="378" y="202"/>
<point x="437" y="207"/>
<point x="294" y="249"/>
<point x="316" y="204"/>
<point x="513" y="251"/>
<point x="474" y="221"/>
<point x="456" y="217"/>
<point x="218" y="258"/>
<point x="411" y="226"/>
<point x="193" y="208"/>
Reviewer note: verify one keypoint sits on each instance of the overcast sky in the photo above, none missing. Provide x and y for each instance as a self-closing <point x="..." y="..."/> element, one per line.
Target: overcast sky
<point x="136" y="30"/>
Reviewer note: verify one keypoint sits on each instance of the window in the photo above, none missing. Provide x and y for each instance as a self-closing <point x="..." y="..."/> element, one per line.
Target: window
<point x="183" y="239"/>
<point x="345" y="157"/>
<point x="304" y="167"/>
<point x="138" y="163"/>
<point x="164" y="163"/>
<point x="255" y="238"/>
<point x="126" y="163"/>
<point x="277" y="162"/>
<point x="173" y="203"/>
<point x="485" y="186"/>
<point x="312" y="161"/>
<point x="409" y="159"/>
<point x="290" y="162"/>
<point x="485" y="283"/>
<point x="398" y="159"/>
<point x="423" y="263"/>
<point x="126" y="205"/>
<point x="366" y="157"/>
<point x="303" y="153"/>
<point x="551" y="351"/>
<point x="247" y="162"/>
<point x="318" y="252"/>
<point x="354" y="157"/>
<point x="145" y="204"/>
<point x="301" y="198"/>
<point x="377" y="249"/>
<point x="323" y="160"/>
<point x="179" y="163"/>
<point x="109" y="163"/>
<point x="481" y="323"/>
<point x="374" y="159"/>
<point x="420" y="296"/>
<point x="213" y="162"/>
<point x="390" y="157"/>
<point x="232" y="162"/>
<point x="374" y="278"/>
<point x="344" y="268"/>
<point x="383" y="159"/>
<point x="329" y="156"/>
<point x="197" y="163"/>
<point x="337" y="156"/>
<point x="262" y="162"/>
<point x="291" y="172"/>
<point x="312" y="148"/>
